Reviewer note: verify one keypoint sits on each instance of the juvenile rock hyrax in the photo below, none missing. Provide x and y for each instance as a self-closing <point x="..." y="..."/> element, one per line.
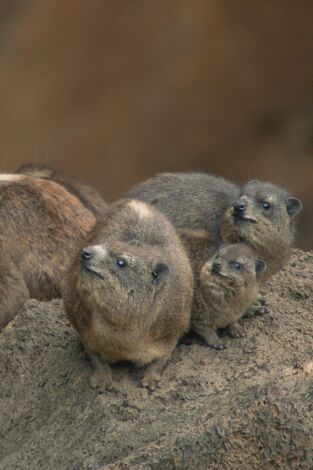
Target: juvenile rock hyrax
<point x="260" y="214"/>
<point x="90" y="198"/>
<point x="226" y="288"/>
<point x="41" y="225"/>
<point x="129" y="292"/>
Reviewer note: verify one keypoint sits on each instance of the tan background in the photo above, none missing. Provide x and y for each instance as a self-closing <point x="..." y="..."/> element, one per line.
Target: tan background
<point x="115" y="91"/>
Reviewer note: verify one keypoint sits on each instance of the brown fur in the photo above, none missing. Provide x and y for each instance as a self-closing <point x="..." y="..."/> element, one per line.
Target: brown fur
<point x="130" y="313"/>
<point x="270" y="233"/>
<point x="224" y="293"/>
<point x="196" y="201"/>
<point x="41" y="225"/>
<point x="199" y="245"/>
<point x="90" y="198"/>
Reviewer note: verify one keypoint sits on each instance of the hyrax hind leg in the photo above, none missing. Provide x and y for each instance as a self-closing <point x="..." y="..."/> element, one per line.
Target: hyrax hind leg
<point x="13" y="291"/>
<point x="101" y="376"/>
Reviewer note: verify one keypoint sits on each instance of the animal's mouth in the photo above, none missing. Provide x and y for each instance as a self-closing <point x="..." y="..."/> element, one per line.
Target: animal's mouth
<point x="218" y="274"/>
<point x="242" y="218"/>
<point x="89" y="270"/>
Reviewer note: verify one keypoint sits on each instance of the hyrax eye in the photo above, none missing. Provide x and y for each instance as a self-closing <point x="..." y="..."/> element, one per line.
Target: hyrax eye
<point x="266" y="205"/>
<point x="121" y="263"/>
<point x="236" y="265"/>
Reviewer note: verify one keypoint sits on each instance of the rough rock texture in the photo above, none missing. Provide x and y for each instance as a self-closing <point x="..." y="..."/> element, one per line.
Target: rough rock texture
<point x="247" y="407"/>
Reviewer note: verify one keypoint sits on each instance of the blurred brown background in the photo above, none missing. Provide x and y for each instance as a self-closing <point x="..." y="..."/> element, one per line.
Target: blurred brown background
<point x="115" y="91"/>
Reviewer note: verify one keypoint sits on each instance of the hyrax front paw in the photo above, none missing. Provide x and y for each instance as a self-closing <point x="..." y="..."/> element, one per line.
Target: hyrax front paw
<point x="236" y="331"/>
<point x="215" y="342"/>
<point x="100" y="381"/>
<point x="151" y="383"/>
<point x="101" y="377"/>
<point x="219" y="345"/>
<point x="259" y="307"/>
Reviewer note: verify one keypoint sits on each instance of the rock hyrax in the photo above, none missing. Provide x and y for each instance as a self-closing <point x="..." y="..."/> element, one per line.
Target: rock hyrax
<point x="41" y="225"/>
<point x="227" y="286"/>
<point x="86" y="194"/>
<point x="129" y="291"/>
<point x="264" y="218"/>
<point x="260" y="214"/>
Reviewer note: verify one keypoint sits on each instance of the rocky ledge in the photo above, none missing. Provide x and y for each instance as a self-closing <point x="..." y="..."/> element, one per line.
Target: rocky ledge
<point x="250" y="406"/>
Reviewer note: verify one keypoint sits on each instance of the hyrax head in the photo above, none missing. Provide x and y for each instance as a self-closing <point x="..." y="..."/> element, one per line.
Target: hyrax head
<point x="122" y="277"/>
<point x="262" y="216"/>
<point x="233" y="266"/>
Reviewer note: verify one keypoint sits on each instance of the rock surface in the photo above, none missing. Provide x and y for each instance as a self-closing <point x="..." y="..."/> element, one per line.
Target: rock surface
<point x="246" y="407"/>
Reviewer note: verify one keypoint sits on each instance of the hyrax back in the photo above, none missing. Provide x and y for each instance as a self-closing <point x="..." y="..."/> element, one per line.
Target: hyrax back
<point x="260" y="214"/>
<point x="129" y="291"/>
<point x="89" y="197"/>
<point x="226" y="288"/>
<point x="41" y="225"/>
<point x="189" y="200"/>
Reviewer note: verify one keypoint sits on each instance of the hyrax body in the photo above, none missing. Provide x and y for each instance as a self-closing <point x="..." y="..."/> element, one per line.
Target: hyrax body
<point x="89" y="197"/>
<point x="259" y="214"/>
<point x="189" y="200"/>
<point x="41" y="225"/>
<point x="129" y="292"/>
<point x="226" y="288"/>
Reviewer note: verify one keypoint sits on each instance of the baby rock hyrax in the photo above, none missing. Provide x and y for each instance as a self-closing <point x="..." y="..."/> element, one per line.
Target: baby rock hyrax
<point x="259" y="214"/>
<point x="227" y="286"/>
<point x="129" y="292"/>
<point x="88" y="196"/>
<point x="41" y="226"/>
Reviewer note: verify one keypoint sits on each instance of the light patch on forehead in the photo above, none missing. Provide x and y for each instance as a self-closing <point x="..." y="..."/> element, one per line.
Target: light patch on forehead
<point x="243" y="259"/>
<point x="271" y="198"/>
<point x="10" y="177"/>
<point x="100" y="250"/>
<point x="140" y="208"/>
<point x="39" y="173"/>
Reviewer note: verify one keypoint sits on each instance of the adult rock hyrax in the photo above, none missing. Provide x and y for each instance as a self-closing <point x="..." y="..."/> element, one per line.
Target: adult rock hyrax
<point x="259" y="214"/>
<point x="89" y="197"/>
<point x="227" y="286"/>
<point x="41" y="225"/>
<point x="129" y="292"/>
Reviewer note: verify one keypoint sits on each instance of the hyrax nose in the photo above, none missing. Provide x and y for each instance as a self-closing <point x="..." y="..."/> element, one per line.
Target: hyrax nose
<point x="217" y="265"/>
<point x="87" y="253"/>
<point x="240" y="206"/>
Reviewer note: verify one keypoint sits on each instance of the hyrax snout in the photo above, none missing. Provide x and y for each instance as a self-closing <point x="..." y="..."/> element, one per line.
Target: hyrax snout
<point x="129" y="292"/>
<point x="227" y="287"/>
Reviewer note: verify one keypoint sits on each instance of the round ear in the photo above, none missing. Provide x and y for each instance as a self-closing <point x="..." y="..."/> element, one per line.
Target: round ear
<point x="260" y="267"/>
<point x="294" y="206"/>
<point x="159" y="272"/>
